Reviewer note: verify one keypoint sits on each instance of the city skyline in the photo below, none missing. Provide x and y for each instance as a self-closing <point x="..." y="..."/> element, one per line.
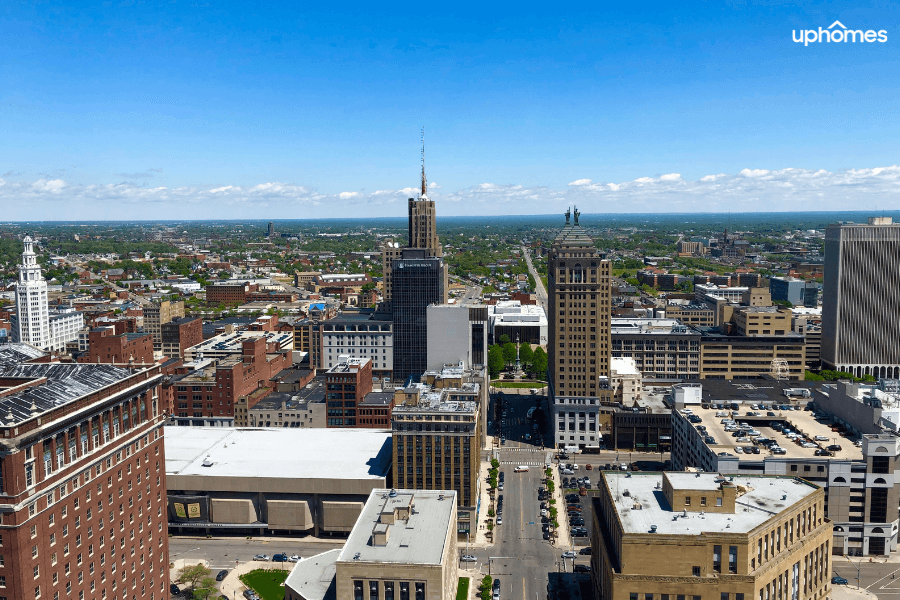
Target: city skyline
<point x="130" y="113"/>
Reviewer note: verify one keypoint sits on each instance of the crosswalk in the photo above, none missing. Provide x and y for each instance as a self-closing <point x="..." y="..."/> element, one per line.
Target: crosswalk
<point x="524" y="463"/>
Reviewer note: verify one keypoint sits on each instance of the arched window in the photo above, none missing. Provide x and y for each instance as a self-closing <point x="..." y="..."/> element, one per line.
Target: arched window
<point x="839" y="480"/>
<point x="576" y="274"/>
<point x="880" y="481"/>
<point x="838" y="528"/>
<point x="877" y="530"/>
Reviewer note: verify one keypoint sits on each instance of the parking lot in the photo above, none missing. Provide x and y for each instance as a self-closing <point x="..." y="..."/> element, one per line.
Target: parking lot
<point x="773" y="423"/>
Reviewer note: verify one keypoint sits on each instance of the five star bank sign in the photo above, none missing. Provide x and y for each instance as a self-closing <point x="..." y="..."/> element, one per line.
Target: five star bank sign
<point x="838" y="33"/>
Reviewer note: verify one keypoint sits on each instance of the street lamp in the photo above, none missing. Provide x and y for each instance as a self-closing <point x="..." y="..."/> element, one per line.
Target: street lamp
<point x="857" y="571"/>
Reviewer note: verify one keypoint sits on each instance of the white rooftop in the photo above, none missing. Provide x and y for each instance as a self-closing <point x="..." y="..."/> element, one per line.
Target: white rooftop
<point x="313" y="577"/>
<point x="278" y="452"/>
<point x="762" y="498"/>
<point x="623" y="365"/>
<point x="418" y="540"/>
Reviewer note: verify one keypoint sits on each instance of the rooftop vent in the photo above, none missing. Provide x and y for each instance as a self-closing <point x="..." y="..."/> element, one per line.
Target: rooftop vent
<point x="356" y="556"/>
<point x="440" y="496"/>
<point x="784" y="496"/>
<point x="626" y="493"/>
<point x="207" y="462"/>
<point x="653" y="529"/>
<point x="393" y="493"/>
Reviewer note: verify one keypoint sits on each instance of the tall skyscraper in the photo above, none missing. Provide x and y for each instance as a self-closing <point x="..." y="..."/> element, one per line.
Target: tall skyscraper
<point x="35" y="322"/>
<point x="270" y="230"/>
<point x="32" y="322"/>
<point x="861" y="299"/>
<point x="422" y="232"/>
<point x="418" y="282"/>
<point x="579" y="328"/>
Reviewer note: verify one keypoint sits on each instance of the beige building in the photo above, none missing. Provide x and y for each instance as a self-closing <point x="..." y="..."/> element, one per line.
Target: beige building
<point x="437" y="443"/>
<point x="662" y="536"/>
<point x="156" y="315"/>
<point x="579" y="329"/>
<point x="698" y="314"/>
<point x="403" y="547"/>
<point x="741" y="357"/>
<point x="626" y="380"/>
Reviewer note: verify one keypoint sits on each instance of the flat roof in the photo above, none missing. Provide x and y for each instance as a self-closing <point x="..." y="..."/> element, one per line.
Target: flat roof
<point x="278" y="452"/>
<point x="799" y="421"/>
<point x="314" y="577"/>
<point x="418" y="540"/>
<point x="759" y="499"/>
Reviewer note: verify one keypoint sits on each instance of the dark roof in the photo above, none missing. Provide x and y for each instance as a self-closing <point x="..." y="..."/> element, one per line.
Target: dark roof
<point x="377" y="399"/>
<point x="133" y="336"/>
<point x="716" y="333"/>
<point x="65" y="382"/>
<point x="291" y="375"/>
<point x="757" y="390"/>
<point x="13" y="353"/>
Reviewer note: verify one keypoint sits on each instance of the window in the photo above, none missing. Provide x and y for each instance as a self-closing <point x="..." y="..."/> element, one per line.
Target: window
<point x="696" y="571"/>
<point x="717" y="559"/>
<point x="404" y="590"/>
<point x="388" y="590"/>
<point x="373" y="590"/>
<point x="718" y="502"/>
<point x="420" y="591"/>
<point x="732" y="559"/>
<point x="687" y="500"/>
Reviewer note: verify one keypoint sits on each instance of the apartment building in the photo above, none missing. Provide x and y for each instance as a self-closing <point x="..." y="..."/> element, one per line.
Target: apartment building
<point x="104" y="346"/>
<point x="437" y="444"/>
<point x="358" y="334"/>
<point x="661" y="348"/>
<point x="156" y="315"/>
<point x="346" y="384"/>
<point x="700" y="535"/>
<point x="179" y="334"/>
<point x="83" y="482"/>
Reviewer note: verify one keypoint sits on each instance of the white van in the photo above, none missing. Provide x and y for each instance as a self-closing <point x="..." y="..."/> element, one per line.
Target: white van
<point x="520" y="469"/>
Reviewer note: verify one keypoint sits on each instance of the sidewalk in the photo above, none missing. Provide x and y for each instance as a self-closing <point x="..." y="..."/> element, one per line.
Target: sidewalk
<point x="563" y="540"/>
<point x="231" y="586"/>
<point x="479" y="539"/>
<point x="847" y="592"/>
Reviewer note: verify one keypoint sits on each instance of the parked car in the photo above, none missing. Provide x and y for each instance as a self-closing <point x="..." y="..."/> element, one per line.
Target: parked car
<point x="834" y="448"/>
<point x="173" y="589"/>
<point x="282" y="557"/>
<point x="582" y="569"/>
<point x="576" y="521"/>
<point x="586" y="550"/>
<point x="568" y="554"/>
<point x="260" y="557"/>
<point x="294" y="558"/>
<point x="468" y="558"/>
<point x="589" y="467"/>
<point x="838" y="580"/>
<point x="221" y="575"/>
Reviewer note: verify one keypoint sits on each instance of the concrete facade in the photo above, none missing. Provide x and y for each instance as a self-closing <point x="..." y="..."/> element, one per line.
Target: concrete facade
<point x="458" y="333"/>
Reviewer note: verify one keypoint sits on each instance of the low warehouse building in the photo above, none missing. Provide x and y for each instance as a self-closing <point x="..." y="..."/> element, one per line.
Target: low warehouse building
<point x="272" y="480"/>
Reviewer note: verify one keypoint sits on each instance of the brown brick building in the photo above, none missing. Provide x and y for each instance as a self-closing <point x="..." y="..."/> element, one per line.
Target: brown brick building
<point x="180" y="334"/>
<point x="229" y="294"/>
<point x="220" y="391"/>
<point x="346" y="385"/>
<point x="107" y="347"/>
<point x="82" y="494"/>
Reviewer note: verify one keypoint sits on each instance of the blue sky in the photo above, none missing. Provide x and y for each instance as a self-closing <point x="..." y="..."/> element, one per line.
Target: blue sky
<point x="198" y="110"/>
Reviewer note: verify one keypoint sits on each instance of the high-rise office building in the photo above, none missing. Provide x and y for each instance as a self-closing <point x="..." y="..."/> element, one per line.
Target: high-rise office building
<point x="32" y="318"/>
<point x="422" y="232"/>
<point x="579" y="349"/>
<point x="861" y="299"/>
<point x="270" y="230"/>
<point x="418" y="282"/>
<point x="35" y="322"/>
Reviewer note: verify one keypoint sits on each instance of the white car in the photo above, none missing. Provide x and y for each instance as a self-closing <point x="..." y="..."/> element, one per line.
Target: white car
<point x="468" y="558"/>
<point x="294" y="558"/>
<point x="569" y="554"/>
<point x="821" y="438"/>
<point x="738" y="449"/>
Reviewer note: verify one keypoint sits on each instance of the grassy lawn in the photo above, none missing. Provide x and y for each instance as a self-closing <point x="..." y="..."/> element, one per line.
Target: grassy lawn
<point x="518" y="384"/>
<point x="462" y="592"/>
<point x="268" y="584"/>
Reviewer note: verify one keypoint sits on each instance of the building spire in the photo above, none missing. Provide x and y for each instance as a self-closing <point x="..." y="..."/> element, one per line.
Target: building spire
<point x="424" y="193"/>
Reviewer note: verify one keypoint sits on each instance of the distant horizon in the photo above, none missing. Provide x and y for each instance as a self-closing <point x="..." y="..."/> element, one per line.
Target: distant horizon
<point x="617" y="216"/>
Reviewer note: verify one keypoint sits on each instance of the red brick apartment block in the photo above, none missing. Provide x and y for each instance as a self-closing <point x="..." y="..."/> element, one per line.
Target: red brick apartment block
<point x="83" y="489"/>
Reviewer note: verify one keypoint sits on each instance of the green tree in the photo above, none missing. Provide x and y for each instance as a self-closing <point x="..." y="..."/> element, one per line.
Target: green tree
<point x="195" y="577"/>
<point x="539" y="363"/>
<point x="495" y="360"/>
<point x="504" y="339"/>
<point x="509" y="352"/>
<point x="525" y="354"/>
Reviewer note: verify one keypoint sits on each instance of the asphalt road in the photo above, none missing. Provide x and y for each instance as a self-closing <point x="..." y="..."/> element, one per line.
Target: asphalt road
<point x="874" y="576"/>
<point x="539" y="285"/>
<point x="520" y="557"/>
<point x="222" y="552"/>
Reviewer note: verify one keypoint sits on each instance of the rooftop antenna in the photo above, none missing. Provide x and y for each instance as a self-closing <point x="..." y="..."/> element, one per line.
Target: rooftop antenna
<point x="424" y="183"/>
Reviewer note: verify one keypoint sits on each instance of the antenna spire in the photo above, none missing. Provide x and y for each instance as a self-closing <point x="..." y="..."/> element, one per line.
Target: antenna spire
<point x="424" y="182"/>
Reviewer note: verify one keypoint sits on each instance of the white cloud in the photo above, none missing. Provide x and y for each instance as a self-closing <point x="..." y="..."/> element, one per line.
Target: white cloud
<point x="751" y="190"/>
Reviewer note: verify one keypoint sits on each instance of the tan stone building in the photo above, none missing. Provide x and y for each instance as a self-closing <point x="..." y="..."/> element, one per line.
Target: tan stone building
<point x="156" y="315"/>
<point x="674" y="536"/>
<point x="724" y="356"/>
<point x="403" y="547"/>
<point x="437" y="443"/>
<point x="579" y="329"/>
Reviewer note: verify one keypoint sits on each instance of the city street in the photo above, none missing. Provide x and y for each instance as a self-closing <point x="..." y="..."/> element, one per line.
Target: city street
<point x="879" y="577"/>
<point x="222" y="552"/>
<point x="540" y="291"/>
